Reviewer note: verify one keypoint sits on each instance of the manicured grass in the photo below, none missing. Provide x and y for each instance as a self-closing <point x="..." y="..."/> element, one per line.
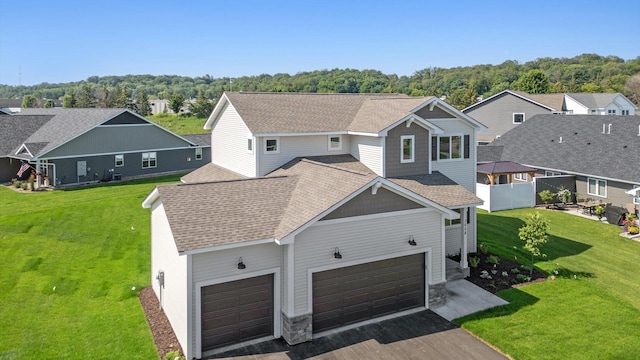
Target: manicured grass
<point x="180" y="124"/>
<point x="72" y="265"/>
<point x="591" y="310"/>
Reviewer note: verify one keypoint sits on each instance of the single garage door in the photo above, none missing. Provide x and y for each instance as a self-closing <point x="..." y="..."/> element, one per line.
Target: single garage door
<point x="361" y="292"/>
<point x="237" y="311"/>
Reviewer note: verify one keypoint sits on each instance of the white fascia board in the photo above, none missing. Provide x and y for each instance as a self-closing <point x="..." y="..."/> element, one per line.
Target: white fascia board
<point x="512" y="93"/>
<point x="300" y="134"/>
<point x="418" y="120"/>
<point x="358" y="133"/>
<point x="448" y="213"/>
<point x="23" y="147"/>
<point x="633" y="191"/>
<point x="154" y="195"/>
<point x="216" y="111"/>
<point x="455" y="112"/>
<point x="228" y="246"/>
<point x="577" y="102"/>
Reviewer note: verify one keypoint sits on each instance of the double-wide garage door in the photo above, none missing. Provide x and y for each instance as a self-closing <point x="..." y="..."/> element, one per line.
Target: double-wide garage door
<point x="351" y="294"/>
<point x="237" y="311"/>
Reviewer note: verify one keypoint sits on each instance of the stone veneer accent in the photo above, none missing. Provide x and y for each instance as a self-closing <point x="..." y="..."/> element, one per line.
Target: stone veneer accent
<point x="297" y="329"/>
<point x="437" y="294"/>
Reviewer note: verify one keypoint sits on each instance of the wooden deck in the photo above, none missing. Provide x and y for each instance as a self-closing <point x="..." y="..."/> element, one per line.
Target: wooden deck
<point x="423" y="335"/>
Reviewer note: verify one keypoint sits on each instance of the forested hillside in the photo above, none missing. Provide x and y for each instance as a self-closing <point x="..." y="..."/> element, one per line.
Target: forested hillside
<point x="461" y="85"/>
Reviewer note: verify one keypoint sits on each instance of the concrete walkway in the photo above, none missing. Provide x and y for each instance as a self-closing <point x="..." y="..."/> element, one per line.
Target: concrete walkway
<point x="464" y="298"/>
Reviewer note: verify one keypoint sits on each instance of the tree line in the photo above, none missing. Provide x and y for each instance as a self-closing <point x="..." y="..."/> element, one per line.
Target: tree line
<point x="462" y="86"/>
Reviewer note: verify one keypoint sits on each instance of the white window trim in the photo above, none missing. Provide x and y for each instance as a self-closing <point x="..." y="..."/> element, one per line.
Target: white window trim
<point x="277" y="139"/>
<point x="461" y="136"/>
<point x="413" y="148"/>
<point x="329" y="142"/>
<point x="198" y="153"/>
<point x="552" y="173"/>
<point x="251" y="141"/>
<point x="116" y="160"/>
<point x="520" y="176"/>
<point x="597" y="187"/>
<point x="149" y="157"/>
<point x="513" y="119"/>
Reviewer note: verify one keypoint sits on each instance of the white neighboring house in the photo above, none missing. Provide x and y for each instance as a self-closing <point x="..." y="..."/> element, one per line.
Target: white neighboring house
<point x="318" y="211"/>
<point x="599" y="104"/>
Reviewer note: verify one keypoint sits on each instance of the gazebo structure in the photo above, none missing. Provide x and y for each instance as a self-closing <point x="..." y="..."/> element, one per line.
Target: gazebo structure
<point x="495" y="169"/>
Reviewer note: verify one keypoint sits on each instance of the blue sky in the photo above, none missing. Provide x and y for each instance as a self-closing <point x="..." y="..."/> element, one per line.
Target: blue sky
<point x="64" y="41"/>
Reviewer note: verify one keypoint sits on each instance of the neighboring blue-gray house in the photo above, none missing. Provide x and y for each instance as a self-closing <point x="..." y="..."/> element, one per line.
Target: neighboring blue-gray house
<point x="75" y="146"/>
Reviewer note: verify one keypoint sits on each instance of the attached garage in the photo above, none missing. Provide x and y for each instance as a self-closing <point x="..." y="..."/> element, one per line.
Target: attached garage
<point x="237" y="311"/>
<point x="356" y="293"/>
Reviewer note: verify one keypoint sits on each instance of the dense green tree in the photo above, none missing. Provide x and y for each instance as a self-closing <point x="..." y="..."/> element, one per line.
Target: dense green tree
<point x="202" y="107"/>
<point x="142" y="103"/>
<point x="86" y="99"/>
<point x="533" y="82"/>
<point x="69" y="100"/>
<point x="590" y="88"/>
<point x="49" y="104"/>
<point x="632" y="89"/>
<point x="104" y="97"/>
<point x="29" y="101"/>
<point x="121" y="97"/>
<point x="176" y="101"/>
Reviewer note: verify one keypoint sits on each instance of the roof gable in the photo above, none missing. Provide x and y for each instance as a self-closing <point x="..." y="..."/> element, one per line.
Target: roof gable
<point x="547" y="101"/>
<point x="15" y="130"/>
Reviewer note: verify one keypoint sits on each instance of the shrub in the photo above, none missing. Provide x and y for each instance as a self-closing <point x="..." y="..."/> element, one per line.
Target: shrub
<point x="523" y="278"/>
<point x="493" y="260"/>
<point x="515" y="271"/>
<point x="546" y="196"/>
<point x="485" y="274"/>
<point x="173" y="355"/>
<point x="474" y="261"/>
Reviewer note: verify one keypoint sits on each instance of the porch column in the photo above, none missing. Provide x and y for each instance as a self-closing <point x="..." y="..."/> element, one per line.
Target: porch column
<point x="464" y="250"/>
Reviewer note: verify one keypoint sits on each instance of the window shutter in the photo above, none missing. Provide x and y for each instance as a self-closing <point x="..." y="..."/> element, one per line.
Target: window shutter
<point x="434" y="148"/>
<point x="467" y="149"/>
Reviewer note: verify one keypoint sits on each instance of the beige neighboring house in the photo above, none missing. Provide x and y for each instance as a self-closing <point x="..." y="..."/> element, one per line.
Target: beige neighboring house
<point x="509" y="108"/>
<point x="317" y="211"/>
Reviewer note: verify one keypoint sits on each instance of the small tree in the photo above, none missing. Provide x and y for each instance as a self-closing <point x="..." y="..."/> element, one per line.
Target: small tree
<point x="29" y="101"/>
<point x="202" y="107"/>
<point x="69" y="100"/>
<point x="534" y="234"/>
<point x="142" y="103"/>
<point x="175" y="102"/>
<point x="49" y="103"/>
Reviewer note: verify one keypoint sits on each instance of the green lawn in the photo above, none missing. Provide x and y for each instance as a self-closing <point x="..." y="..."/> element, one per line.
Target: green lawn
<point x="591" y="310"/>
<point x="180" y="124"/>
<point x="72" y="265"/>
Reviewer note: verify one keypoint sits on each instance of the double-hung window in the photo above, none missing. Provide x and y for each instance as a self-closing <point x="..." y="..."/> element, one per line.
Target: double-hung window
<point x="611" y="112"/>
<point x="335" y="142"/>
<point x="198" y="153"/>
<point x="408" y="144"/>
<point x="119" y="160"/>
<point x="597" y="187"/>
<point x="149" y="160"/>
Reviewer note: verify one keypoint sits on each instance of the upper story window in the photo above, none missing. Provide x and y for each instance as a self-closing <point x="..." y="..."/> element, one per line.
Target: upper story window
<point x="597" y="187"/>
<point x="518" y="118"/>
<point x="149" y="160"/>
<point x="611" y="112"/>
<point x="335" y="142"/>
<point x="593" y="111"/>
<point x="551" y="173"/>
<point x="454" y="147"/>
<point x="199" y="153"/>
<point x="119" y="160"/>
<point x="272" y="145"/>
<point x="408" y="143"/>
<point x="625" y="112"/>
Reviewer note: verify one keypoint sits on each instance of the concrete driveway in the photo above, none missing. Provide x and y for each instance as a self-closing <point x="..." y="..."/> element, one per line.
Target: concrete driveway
<point x="421" y="335"/>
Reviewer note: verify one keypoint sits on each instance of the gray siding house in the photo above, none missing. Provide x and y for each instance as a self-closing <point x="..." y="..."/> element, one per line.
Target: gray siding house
<point x="75" y="146"/>
<point x="599" y="152"/>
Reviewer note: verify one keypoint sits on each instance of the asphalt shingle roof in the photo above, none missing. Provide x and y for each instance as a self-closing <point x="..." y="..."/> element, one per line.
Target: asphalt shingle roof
<point x="503" y="167"/>
<point x="199" y="139"/>
<point x="277" y="205"/>
<point x="584" y="148"/>
<point x="14" y="130"/>
<point x="594" y="101"/>
<point x="211" y="172"/>
<point x="269" y="113"/>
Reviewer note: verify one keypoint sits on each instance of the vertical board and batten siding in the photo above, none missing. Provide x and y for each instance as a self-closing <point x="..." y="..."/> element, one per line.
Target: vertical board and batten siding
<point x="462" y="171"/>
<point x="117" y="139"/>
<point x="229" y="143"/>
<point x="366" y="203"/>
<point x="217" y="265"/>
<point x="497" y="114"/>
<point x="367" y="237"/>
<point x="393" y="150"/>
<point x="368" y="150"/>
<point x="291" y="147"/>
<point x="164" y="256"/>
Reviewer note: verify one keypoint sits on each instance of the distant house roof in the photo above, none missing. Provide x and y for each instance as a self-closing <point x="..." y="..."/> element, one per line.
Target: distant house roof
<point x="203" y="140"/>
<point x="597" y="100"/>
<point x="551" y="102"/>
<point x="285" y="201"/>
<point x="602" y="146"/>
<point x="15" y="130"/>
<point x="503" y="167"/>
<point x="296" y="113"/>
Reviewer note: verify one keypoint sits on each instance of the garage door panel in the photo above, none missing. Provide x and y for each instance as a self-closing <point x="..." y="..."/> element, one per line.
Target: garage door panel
<point x="356" y="293"/>
<point x="236" y="311"/>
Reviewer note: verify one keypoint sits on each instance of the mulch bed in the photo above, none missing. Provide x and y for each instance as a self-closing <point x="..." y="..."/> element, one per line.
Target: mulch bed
<point x="163" y="335"/>
<point x="502" y="274"/>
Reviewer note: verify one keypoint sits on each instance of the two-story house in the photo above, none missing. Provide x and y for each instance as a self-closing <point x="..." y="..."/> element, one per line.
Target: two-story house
<point x="317" y="212"/>
<point x="509" y="108"/>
